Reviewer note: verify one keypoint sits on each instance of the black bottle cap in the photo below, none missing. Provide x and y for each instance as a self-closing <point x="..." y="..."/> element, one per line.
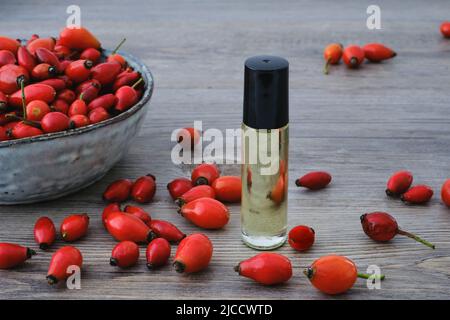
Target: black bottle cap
<point x="266" y="92"/>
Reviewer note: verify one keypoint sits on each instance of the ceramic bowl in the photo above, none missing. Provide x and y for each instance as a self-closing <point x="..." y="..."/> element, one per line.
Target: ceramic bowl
<point x="54" y="165"/>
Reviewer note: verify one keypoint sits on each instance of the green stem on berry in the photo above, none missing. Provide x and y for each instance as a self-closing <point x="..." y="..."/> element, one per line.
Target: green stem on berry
<point x="24" y="107"/>
<point x="136" y="83"/>
<point x="418" y="239"/>
<point x="371" y="276"/>
<point x="326" y="68"/>
<point x="119" y="45"/>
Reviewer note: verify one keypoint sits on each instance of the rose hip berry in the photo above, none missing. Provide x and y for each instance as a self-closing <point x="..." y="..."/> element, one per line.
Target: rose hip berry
<point x="44" y="232"/>
<point x="228" y="189"/>
<point x="78" y="38"/>
<point x="301" y="238"/>
<point x="78" y="107"/>
<point x="37" y="109"/>
<point x="126" y="96"/>
<point x="193" y="254"/>
<point x="37" y="91"/>
<point x="62" y="259"/>
<point x="334" y="274"/>
<point x="123" y="226"/>
<point x="74" y="227"/>
<point x="205" y="173"/>
<point x="98" y="115"/>
<point x="91" y="54"/>
<point x="12" y="255"/>
<point x="125" y="254"/>
<point x="377" y="52"/>
<point x="382" y="227"/>
<point x="399" y="183"/>
<point x="197" y="192"/>
<point x="118" y="191"/>
<point x="110" y="208"/>
<point x="48" y="43"/>
<point x="166" y="230"/>
<point x="43" y="71"/>
<point x="419" y="194"/>
<point x="266" y="268"/>
<point x="144" y="189"/>
<point x="445" y="29"/>
<point x="79" y="70"/>
<point x="106" y="72"/>
<point x="445" y="193"/>
<point x="157" y="253"/>
<point x="9" y="44"/>
<point x="23" y="130"/>
<point x="25" y="59"/>
<point x="178" y="187"/>
<point x="106" y="101"/>
<point x="332" y="55"/>
<point x="55" y="122"/>
<point x="206" y="213"/>
<point x="353" y="56"/>
<point x="139" y="212"/>
<point x="6" y="57"/>
<point x="78" y="121"/>
<point x="192" y="134"/>
<point x="315" y="180"/>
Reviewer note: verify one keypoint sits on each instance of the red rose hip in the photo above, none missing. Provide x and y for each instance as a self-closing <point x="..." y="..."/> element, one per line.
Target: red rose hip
<point x="197" y="192"/>
<point x="144" y="189"/>
<point x="118" y="191"/>
<point x="157" y="253"/>
<point x="419" y="194"/>
<point x="193" y="254"/>
<point x="445" y="29"/>
<point x="399" y="183"/>
<point x="74" y="227"/>
<point x="228" y="188"/>
<point x="353" y="56"/>
<point x="62" y="259"/>
<point x="382" y="227"/>
<point x="166" y="230"/>
<point x="315" y="180"/>
<point x="205" y="173"/>
<point x="445" y="193"/>
<point x="44" y="232"/>
<point x="301" y="238"/>
<point x="123" y="226"/>
<point x="178" y="187"/>
<point x="55" y="122"/>
<point x="266" y="268"/>
<point x="139" y="212"/>
<point x="12" y="255"/>
<point x="125" y="254"/>
<point x="206" y="213"/>
<point x="377" y="52"/>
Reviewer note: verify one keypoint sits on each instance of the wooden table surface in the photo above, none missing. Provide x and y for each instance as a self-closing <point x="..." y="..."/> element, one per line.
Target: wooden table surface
<point x="361" y="125"/>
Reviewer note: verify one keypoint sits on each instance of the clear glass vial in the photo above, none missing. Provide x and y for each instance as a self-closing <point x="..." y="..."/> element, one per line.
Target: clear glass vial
<point x="265" y="149"/>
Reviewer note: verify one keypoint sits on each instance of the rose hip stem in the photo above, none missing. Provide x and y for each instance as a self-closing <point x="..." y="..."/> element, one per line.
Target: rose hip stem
<point x="137" y="82"/>
<point x="371" y="276"/>
<point x="118" y="46"/>
<point x="308" y="271"/>
<point x="24" y="106"/>
<point x="417" y="238"/>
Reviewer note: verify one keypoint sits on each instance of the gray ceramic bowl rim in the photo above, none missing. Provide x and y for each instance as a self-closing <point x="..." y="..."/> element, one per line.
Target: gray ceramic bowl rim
<point x="149" y="85"/>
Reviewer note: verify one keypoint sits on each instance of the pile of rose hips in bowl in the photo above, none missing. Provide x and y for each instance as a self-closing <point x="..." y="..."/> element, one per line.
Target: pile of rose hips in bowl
<point x="50" y="85"/>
